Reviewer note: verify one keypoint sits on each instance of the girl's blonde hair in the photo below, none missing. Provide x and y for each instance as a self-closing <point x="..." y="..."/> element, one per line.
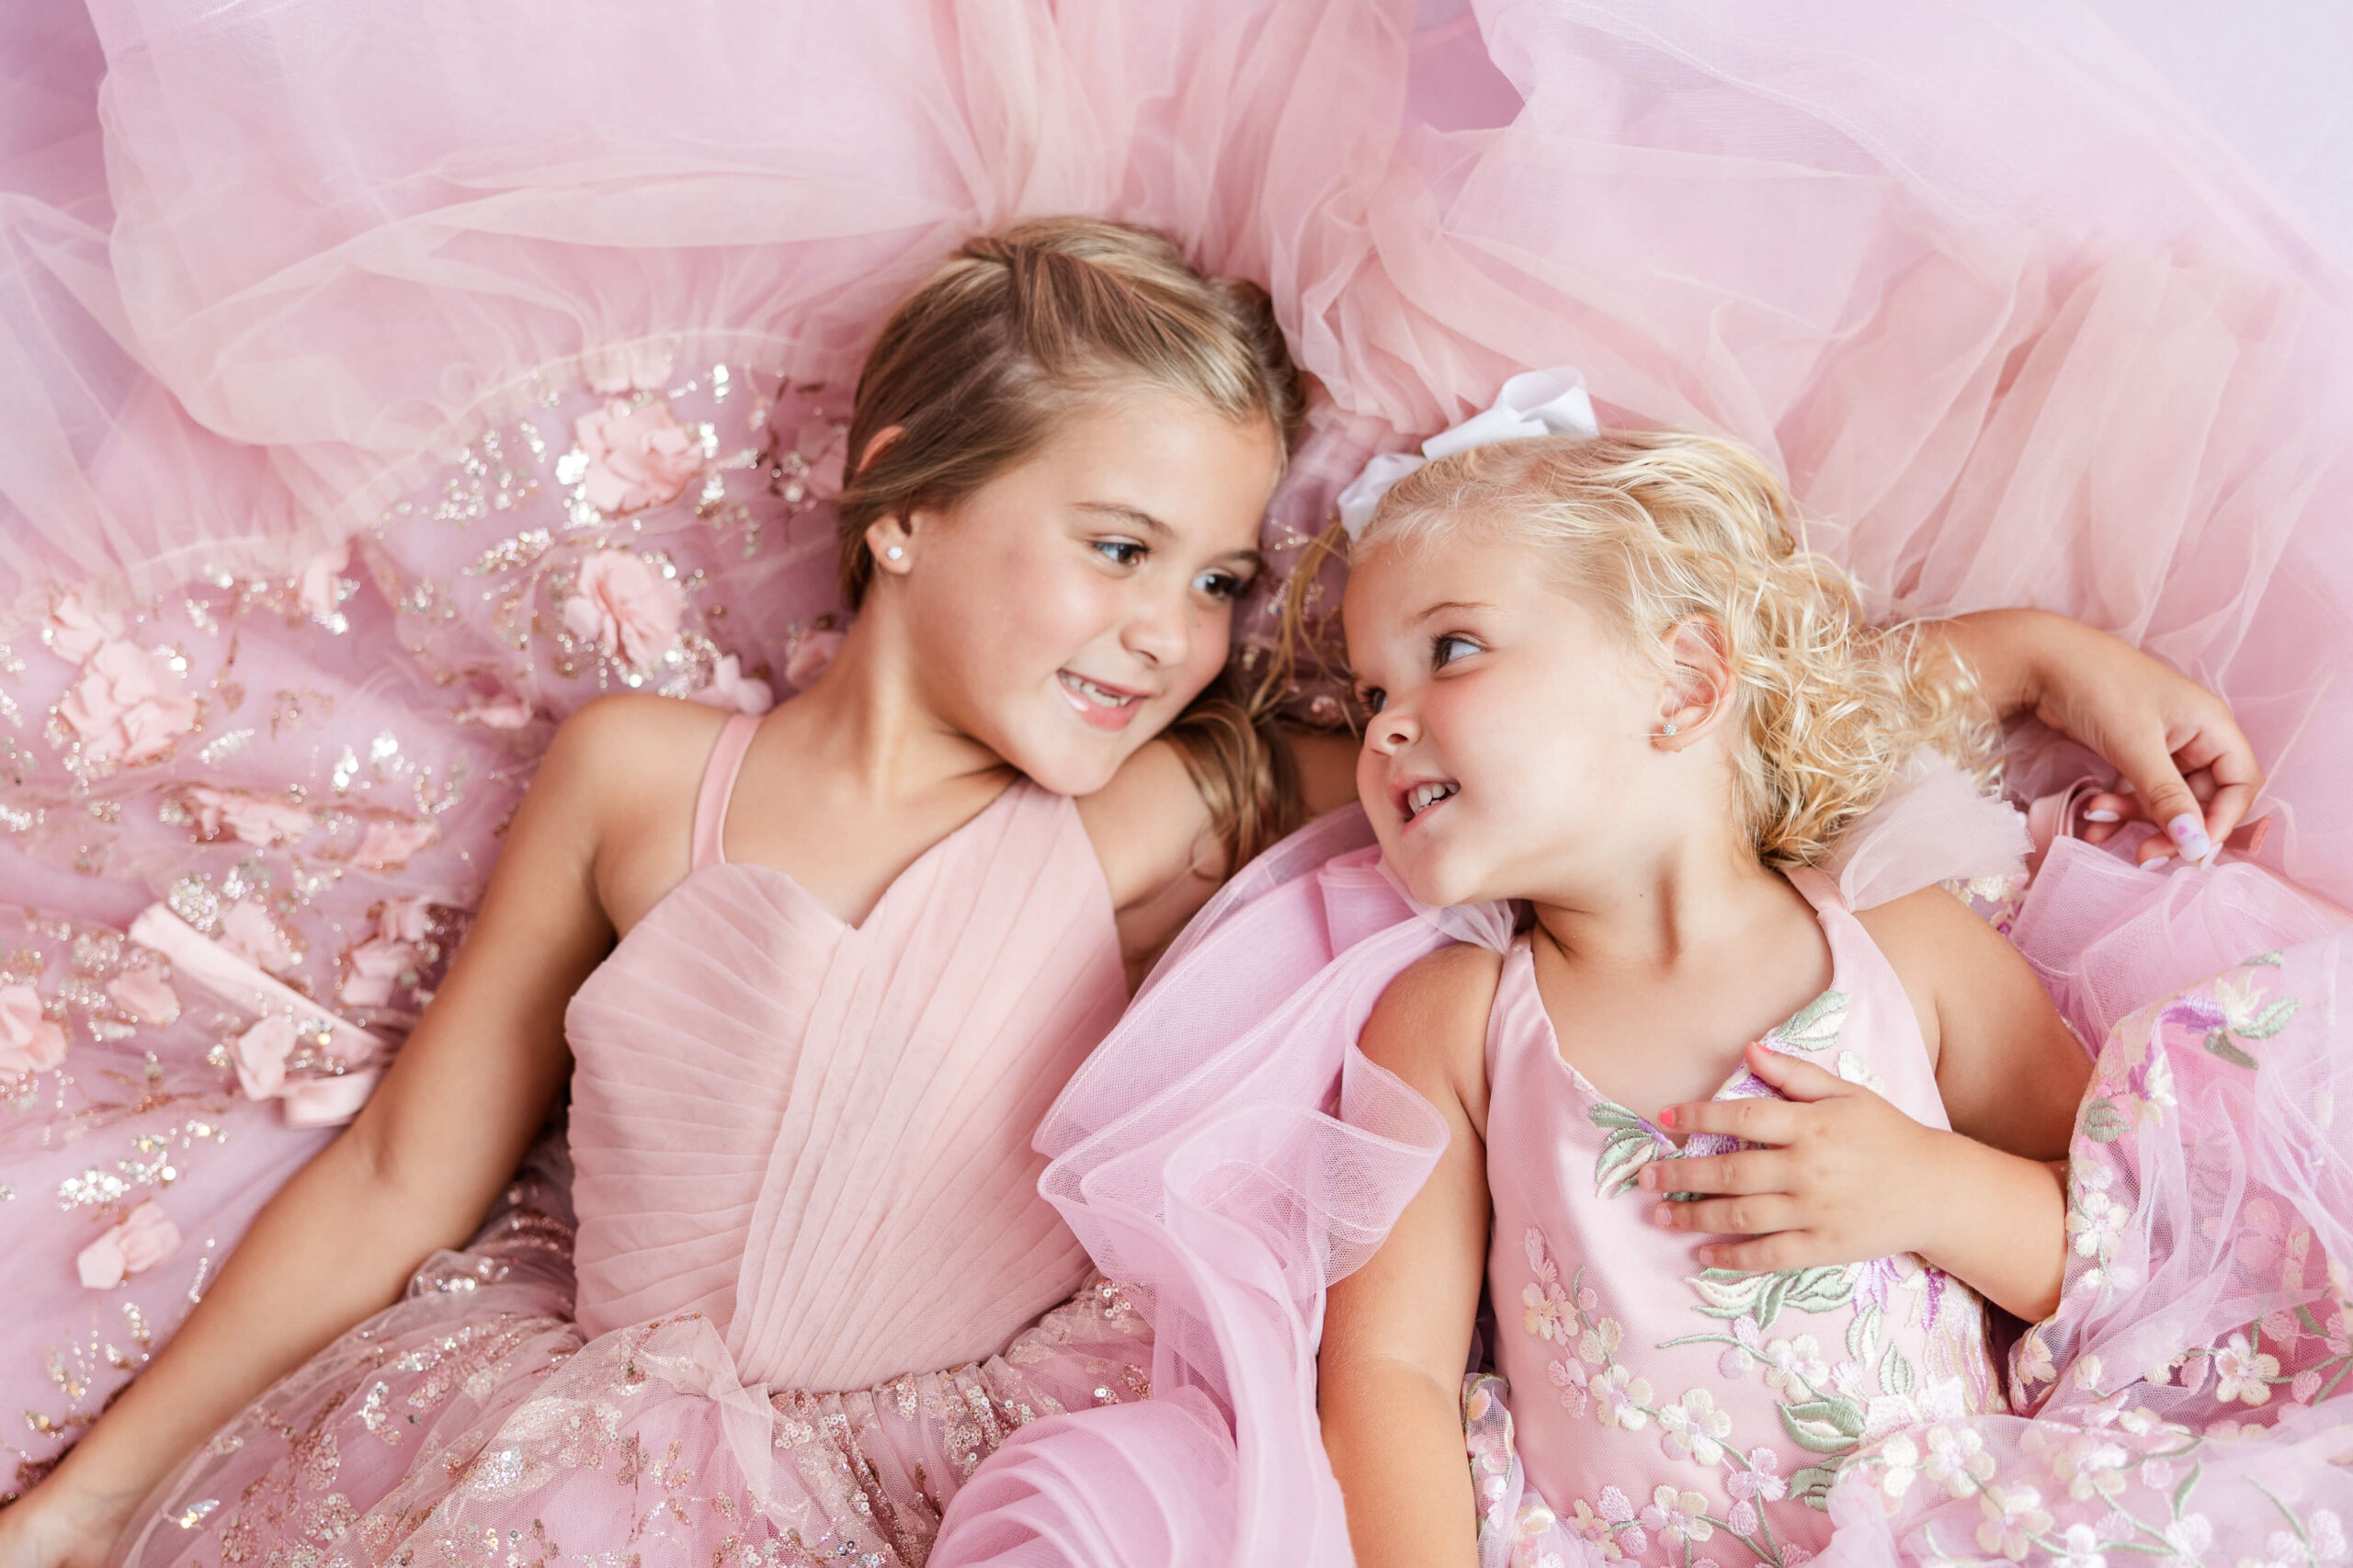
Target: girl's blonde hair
<point x="1015" y="331"/>
<point x="1655" y="529"/>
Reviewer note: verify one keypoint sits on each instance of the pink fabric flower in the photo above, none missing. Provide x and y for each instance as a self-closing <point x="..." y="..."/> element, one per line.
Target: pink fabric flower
<point x="386" y="846"/>
<point x="809" y="656"/>
<point x="625" y="608"/>
<point x="317" y="588"/>
<point x="404" y="919"/>
<point x="374" y="967"/>
<point x="128" y="706"/>
<point x="731" y="687"/>
<point x="327" y="1102"/>
<point x="138" y="1245"/>
<point x="247" y="930"/>
<point x="499" y="712"/>
<point x="76" y="631"/>
<point x="29" y="1042"/>
<point x="638" y="456"/>
<point x="254" y="819"/>
<point x="631" y="367"/>
<point x="259" y="1055"/>
<point x="145" y="995"/>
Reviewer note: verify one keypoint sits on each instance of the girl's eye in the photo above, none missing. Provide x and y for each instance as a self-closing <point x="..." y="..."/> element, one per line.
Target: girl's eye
<point x="1119" y="551"/>
<point x="1220" y="584"/>
<point x="1451" y="647"/>
<point x="1373" y="698"/>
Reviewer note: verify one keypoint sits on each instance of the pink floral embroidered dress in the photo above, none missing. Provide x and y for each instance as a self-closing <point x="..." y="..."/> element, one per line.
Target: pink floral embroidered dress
<point x="1671" y="1412"/>
<point x="813" y="1260"/>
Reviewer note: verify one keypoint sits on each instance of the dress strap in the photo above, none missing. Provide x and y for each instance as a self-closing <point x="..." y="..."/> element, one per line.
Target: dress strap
<point x="718" y="787"/>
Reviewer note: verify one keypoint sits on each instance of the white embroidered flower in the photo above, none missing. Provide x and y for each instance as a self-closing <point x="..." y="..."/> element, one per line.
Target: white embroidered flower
<point x="1619" y="1398"/>
<point x="1599" y="1342"/>
<point x="1745" y="1350"/>
<point x="2191" y="1535"/>
<point x="1795" y="1366"/>
<point x="2243" y="1373"/>
<point x="2014" y="1516"/>
<point x="1546" y="1313"/>
<point x="1957" y="1460"/>
<point x="1677" y="1516"/>
<point x="1694" y="1428"/>
<point x="2082" y="1546"/>
<point x="2031" y="1362"/>
<point x="2091" y="1466"/>
<point x="1899" y="1459"/>
<point x="1761" y="1481"/>
<point x="2327" y="1533"/>
<point x="2095" y="1224"/>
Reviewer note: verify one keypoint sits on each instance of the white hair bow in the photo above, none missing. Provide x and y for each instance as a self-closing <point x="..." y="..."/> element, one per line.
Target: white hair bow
<point x="1535" y="402"/>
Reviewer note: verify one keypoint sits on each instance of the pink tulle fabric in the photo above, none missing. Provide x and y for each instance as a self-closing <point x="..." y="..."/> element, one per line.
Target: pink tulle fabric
<point x="341" y="352"/>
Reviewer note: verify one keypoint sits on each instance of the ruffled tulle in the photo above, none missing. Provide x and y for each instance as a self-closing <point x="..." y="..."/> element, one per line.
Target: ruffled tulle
<point x="2013" y="325"/>
<point x="1229" y="1153"/>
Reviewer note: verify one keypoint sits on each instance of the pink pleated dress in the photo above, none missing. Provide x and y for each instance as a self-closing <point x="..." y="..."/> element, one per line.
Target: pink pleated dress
<point x="816" y="1281"/>
<point x="1673" y="1411"/>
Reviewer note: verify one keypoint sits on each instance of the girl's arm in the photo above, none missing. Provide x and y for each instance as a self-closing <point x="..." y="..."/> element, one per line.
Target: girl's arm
<point x="1848" y="1176"/>
<point x="2173" y="740"/>
<point x="1397" y="1332"/>
<point x="413" y="1173"/>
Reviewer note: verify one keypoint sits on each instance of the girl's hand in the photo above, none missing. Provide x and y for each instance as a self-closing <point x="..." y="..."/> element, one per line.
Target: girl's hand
<point x="1844" y="1178"/>
<point x="2192" y="772"/>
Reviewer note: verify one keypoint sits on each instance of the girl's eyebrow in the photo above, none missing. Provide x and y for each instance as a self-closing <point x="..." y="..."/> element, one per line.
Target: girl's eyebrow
<point x="1141" y="520"/>
<point x="1444" y="605"/>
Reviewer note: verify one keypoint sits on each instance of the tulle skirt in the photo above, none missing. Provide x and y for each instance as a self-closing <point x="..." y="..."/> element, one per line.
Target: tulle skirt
<point x="473" y="1415"/>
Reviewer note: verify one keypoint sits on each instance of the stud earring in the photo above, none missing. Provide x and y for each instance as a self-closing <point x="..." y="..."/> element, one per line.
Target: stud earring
<point x="1667" y="731"/>
<point x="895" y="553"/>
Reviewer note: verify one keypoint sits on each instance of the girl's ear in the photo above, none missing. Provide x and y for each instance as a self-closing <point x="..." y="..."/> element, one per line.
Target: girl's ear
<point x="891" y="540"/>
<point x="1699" y="662"/>
<point x="876" y="445"/>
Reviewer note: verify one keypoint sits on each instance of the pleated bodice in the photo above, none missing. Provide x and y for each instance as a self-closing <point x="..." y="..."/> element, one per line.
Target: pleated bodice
<point x="819" y="1134"/>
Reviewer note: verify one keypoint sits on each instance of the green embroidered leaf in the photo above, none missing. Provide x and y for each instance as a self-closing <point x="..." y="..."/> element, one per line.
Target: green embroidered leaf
<point x="2181" y="1493"/>
<point x="2275" y="1018"/>
<point x="1822" y="1289"/>
<point x="1623" y="1155"/>
<point x="1862" y="1333"/>
<point x="1812" y="1486"/>
<point x="1895" y="1373"/>
<point x="1727" y="1292"/>
<point x="1815" y="1025"/>
<point x="2274" y="959"/>
<point x="2104" y="1123"/>
<point x="2217" y="1041"/>
<point x="1824" y="1425"/>
<point x="1614" y="1117"/>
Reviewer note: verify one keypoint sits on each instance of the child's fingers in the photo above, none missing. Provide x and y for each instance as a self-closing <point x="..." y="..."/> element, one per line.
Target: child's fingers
<point x="1766" y="1255"/>
<point x="1752" y="1170"/>
<point x="1755" y="1215"/>
<point x="1754" y="1121"/>
<point x="1797" y="1078"/>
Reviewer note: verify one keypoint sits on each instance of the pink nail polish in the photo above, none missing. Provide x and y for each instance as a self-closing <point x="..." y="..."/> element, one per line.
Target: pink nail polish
<point x="1666" y="1117"/>
<point x="2103" y="816"/>
<point x="2189" y="833"/>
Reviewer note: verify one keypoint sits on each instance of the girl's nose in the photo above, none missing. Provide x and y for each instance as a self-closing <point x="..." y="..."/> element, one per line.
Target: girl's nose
<point x="1392" y="729"/>
<point x="1161" y="631"/>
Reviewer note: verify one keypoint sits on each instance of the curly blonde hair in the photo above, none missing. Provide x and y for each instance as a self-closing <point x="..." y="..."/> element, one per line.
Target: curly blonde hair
<point x="1656" y="529"/>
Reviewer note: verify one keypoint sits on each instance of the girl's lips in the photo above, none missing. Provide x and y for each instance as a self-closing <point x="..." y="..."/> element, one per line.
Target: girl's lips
<point x="1436" y="791"/>
<point x="1105" y="706"/>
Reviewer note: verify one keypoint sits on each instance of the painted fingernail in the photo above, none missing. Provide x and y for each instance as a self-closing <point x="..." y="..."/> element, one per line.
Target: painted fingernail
<point x="1666" y="1117"/>
<point x="2187" y="832"/>
<point x="2103" y="816"/>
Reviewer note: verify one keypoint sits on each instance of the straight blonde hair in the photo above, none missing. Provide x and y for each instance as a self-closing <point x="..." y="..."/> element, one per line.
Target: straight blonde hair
<point x="1011" y="334"/>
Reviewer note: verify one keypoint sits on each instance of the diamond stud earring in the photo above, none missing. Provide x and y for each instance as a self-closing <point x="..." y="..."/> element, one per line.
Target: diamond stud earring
<point x="1667" y="731"/>
<point x="895" y="553"/>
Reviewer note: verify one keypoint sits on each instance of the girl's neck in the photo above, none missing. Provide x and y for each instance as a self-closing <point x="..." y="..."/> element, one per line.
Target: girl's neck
<point x="866" y="726"/>
<point x="1684" y="901"/>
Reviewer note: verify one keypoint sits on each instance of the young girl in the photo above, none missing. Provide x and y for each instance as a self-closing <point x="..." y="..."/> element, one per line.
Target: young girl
<point x="878" y="929"/>
<point x="1603" y="680"/>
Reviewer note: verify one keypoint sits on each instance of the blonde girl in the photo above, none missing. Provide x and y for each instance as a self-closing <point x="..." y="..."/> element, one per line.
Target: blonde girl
<point x="1603" y="679"/>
